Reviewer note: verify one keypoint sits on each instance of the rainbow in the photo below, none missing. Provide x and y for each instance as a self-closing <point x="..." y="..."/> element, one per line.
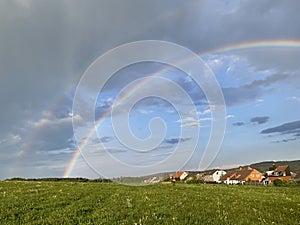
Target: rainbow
<point x="38" y="128"/>
<point x="236" y="47"/>
<point x="103" y="117"/>
<point x="290" y="44"/>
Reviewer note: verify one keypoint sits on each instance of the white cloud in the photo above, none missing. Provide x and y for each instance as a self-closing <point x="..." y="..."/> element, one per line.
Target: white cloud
<point x="171" y="111"/>
<point x="145" y="112"/>
<point x="205" y="119"/>
<point x="57" y="121"/>
<point x="294" y="98"/>
<point x="259" y="100"/>
<point x="193" y="112"/>
<point x="192" y="122"/>
<point x="230" y="116"/>
<point x="214" y="62"/>
<point x="57" y="151"/>
<point x="188" y="79"/>
<point x="206" y="111"/>
<point x="188" y="122"/>
<point x="11" y="139"/>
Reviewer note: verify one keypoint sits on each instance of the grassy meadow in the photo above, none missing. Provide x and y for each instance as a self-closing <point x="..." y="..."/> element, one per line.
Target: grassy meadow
<point x="110" y="203"/>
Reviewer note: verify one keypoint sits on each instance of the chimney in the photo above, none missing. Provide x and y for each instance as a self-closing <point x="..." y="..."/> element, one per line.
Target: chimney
<point x="240" y="168"/>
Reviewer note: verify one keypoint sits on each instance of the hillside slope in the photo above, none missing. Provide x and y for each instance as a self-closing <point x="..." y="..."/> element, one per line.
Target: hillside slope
<point x="264" y="166"/>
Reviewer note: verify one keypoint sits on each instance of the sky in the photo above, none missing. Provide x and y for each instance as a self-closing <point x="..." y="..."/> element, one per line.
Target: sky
<point x="149" y="116"/>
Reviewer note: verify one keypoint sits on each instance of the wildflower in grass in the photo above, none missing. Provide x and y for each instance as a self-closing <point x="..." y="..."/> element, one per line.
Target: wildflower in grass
<point x="129" y="204"/>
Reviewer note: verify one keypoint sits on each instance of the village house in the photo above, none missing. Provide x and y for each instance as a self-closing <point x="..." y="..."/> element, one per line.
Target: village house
<point x="211" y="176"/>
<point x="179" y="175"/>
<point x="296" y="175"/>
<point x="152" y="180"/>
<point x="241" y="176"/>
<point x="200" y="176"/>
<point x="280" y="172"/>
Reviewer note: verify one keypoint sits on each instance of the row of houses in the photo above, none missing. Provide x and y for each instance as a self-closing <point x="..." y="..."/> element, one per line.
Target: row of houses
<point x="241" y="175"/>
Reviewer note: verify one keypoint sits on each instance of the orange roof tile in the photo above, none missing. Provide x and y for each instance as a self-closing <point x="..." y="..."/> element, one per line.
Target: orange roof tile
<point x="239" y="175"/>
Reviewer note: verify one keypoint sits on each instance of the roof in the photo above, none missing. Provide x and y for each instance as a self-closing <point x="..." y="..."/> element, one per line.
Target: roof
<point x="272" y="178"/>
<point x="239" y="175"/>
<point x="281" y="171"/>
<point x="178" y="174"/>
<point x="281" y="168"/>
<point x="210" y="172"/>
<point x="297" y="175"/>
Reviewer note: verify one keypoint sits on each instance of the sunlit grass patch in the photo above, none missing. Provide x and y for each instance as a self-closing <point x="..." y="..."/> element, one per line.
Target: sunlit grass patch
<point x="110" y="203"/>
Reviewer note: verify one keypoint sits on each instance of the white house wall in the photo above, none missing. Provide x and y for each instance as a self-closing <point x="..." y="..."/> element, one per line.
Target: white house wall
<point x="217" y="175"/>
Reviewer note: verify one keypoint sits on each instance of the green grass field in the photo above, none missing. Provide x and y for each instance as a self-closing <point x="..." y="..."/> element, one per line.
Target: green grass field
<point x="109" y="203"/>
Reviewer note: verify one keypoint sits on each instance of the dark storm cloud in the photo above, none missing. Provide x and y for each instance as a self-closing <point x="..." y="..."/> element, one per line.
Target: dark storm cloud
<point x="292" y="127"/>
<point x="285" y="140"/>
<point x="259" y="119"/>
<point x="106" y="139"/>
<point x="54" y="134"/>
<point x="34" y="66"/>
<point x="251" y="22"/>
<point x="46" y="45"/>
<point x="267" y="81"/>
<point x="255" y="120"/>
<point x="297" y="131"/>
<point x="176" y="140"/>
<point x="238" y="124"/>
<point x="261" y="22"/>
<point x="250" y="92"/>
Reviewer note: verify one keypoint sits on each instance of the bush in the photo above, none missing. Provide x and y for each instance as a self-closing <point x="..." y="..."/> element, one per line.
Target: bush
<point x="166" y="179"/>
<point x="297" y="182"/>
<point x="278" y="182"/>
<point x="195" y="181"/>
<point x="283" y="183"/>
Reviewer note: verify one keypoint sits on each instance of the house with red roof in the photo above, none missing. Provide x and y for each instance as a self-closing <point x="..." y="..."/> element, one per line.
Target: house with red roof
<point x="211" y="176"/>
<point x="241" y="175"/>
<point x="179" y="175"/>
<point x="280" y="172"/>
